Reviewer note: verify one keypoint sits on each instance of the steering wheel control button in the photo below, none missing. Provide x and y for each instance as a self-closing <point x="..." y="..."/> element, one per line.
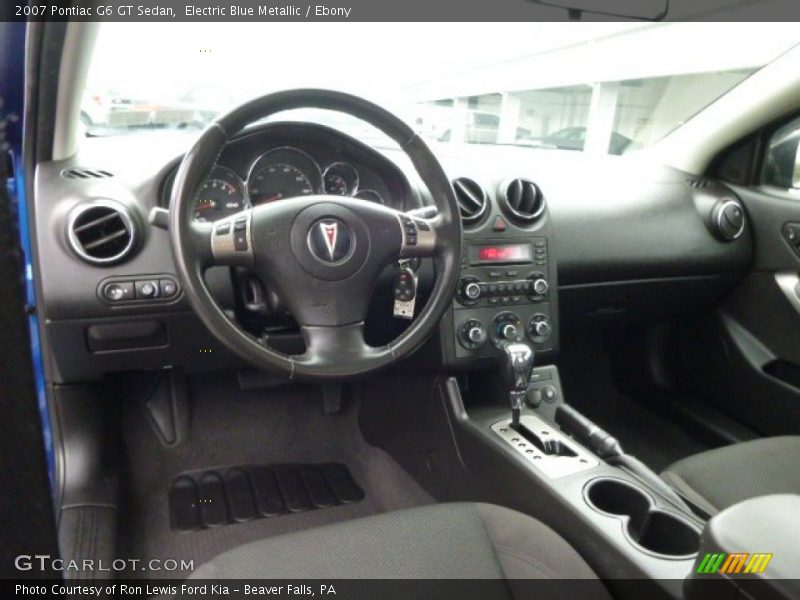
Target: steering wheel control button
<point x="119" y="291"/>
<point x="409" y="230"/>
<point x="330" y="241"/>
<point x="240" y="240"/>
<point x="418" y="235"/>
<point x="168" y="288"/>
<point x="147" y="289"/>
<point x="230" y="242"/>
<point x="240" y="234"/>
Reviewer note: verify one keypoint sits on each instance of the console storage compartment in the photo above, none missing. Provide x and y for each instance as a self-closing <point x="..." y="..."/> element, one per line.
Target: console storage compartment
<point x="749" y="550"/>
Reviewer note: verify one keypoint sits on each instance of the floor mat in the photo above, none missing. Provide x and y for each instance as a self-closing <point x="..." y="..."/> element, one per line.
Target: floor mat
<point x="239" y="494"/>
<point x="259" y="427"/>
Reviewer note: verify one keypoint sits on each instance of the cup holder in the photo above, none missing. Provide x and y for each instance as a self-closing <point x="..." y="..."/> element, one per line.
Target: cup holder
<point x="648" y="527"/>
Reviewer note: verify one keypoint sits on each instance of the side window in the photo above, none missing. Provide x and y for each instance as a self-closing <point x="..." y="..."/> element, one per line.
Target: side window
<point x="782" y="164"/>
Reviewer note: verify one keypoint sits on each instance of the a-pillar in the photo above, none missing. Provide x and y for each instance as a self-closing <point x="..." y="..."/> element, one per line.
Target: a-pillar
<point x="602" y="111"/>
<point x="509" y="118"/>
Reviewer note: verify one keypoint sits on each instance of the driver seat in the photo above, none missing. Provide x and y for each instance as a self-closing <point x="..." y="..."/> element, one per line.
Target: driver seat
<point x="440" y="541"/>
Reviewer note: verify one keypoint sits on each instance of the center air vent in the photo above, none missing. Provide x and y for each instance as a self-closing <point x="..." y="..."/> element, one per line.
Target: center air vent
<point x="522" y="200"/>
<point x="101" y="231"/>
<point x="471" y="198"/>
<point x="82" y="173"/>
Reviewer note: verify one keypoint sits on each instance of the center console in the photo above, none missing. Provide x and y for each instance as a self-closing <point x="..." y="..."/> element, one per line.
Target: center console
<point x="528" y="446"/>
<point x="504" y="295"/>
<point x="575" y="477"/>
<point x="508" y="288"/>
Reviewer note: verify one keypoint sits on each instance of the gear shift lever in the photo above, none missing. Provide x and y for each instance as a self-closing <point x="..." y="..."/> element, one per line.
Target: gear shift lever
<point x="517" y="375"/>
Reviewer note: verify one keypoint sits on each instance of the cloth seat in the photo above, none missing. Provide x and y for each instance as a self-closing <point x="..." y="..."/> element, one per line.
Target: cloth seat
<point x="719" y="478"/>
<point x="441" y="541"/>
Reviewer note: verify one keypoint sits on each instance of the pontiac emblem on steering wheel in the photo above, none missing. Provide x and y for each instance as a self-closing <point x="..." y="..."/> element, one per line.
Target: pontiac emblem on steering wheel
<point x="329" y="240"/>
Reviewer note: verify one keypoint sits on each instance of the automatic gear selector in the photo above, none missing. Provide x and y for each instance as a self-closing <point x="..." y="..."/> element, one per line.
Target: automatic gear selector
<point x="517" y="375"/>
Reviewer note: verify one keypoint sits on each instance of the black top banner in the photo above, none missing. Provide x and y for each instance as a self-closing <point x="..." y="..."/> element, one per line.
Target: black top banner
<point x="399" y="10"/>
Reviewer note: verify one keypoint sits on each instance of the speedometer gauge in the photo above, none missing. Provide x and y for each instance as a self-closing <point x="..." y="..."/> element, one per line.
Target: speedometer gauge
<point x="282" y="173"/>
<point x="220" y="195"/>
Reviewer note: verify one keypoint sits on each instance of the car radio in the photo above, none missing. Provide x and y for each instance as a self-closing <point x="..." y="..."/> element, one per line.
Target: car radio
<point x="504" y="295"/>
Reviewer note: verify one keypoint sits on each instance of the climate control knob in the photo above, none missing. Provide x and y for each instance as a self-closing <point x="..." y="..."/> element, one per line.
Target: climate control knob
<point x="540" y="286"/>
<point x="539" y="328"/>
<point x="506" y="328"/>
<point x="471" y="334"/>
<point x="508" y="332"/>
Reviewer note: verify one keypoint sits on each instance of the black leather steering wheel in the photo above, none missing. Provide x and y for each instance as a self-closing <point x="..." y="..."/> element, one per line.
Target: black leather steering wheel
<point x="321" y="254"/>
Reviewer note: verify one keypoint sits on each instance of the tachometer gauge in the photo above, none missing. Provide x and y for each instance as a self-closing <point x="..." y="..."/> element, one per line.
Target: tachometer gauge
<point x="340" y="179"/>
<point x="370" y="195"/>
<point x="282" y="173"/>
<point x="220" y="195"/>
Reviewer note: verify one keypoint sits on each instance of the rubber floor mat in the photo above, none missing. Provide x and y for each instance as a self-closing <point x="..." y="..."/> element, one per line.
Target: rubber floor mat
<point x="203" y="499"/>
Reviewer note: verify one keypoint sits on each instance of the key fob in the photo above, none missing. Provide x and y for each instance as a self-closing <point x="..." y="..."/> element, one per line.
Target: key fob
<point x="405" y="293"/>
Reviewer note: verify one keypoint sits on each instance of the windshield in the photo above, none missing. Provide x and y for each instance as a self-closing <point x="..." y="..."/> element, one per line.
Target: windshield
<point x="599" y="87"/>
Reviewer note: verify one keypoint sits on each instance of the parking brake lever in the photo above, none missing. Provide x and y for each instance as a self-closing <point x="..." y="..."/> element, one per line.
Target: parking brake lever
<point x="606" y="446"/>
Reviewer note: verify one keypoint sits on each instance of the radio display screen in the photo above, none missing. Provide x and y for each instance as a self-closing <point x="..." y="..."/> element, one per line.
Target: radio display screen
<point x="501" y="253"/>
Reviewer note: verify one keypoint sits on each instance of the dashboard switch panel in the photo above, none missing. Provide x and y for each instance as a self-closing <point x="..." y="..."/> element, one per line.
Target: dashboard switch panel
<point x="138" y="289"/>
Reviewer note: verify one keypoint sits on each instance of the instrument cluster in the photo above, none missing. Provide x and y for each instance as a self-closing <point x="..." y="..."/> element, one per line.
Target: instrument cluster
<point x="280" y="173"/>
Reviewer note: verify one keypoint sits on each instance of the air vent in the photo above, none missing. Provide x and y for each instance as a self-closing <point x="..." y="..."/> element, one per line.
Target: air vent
<point x="522" y="200"/>
<point x="82" y="173"/>
<point x="728" y="219"/>
<point x="471" y="198"/>
<point x="101" y="231"/>
<point x="699" y="183"/>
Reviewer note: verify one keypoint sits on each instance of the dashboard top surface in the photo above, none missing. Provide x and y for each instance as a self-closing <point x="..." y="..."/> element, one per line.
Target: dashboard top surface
<point x="612" y="218"/>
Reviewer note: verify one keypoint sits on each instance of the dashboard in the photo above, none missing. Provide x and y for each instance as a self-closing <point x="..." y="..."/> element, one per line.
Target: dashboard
<point x="551" y="239"/>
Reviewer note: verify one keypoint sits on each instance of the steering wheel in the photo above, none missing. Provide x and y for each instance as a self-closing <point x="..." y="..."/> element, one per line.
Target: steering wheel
<point x="321" y="254"/>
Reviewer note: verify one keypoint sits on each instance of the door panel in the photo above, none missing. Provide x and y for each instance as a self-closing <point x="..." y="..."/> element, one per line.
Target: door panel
<point x="745" y="358"/>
